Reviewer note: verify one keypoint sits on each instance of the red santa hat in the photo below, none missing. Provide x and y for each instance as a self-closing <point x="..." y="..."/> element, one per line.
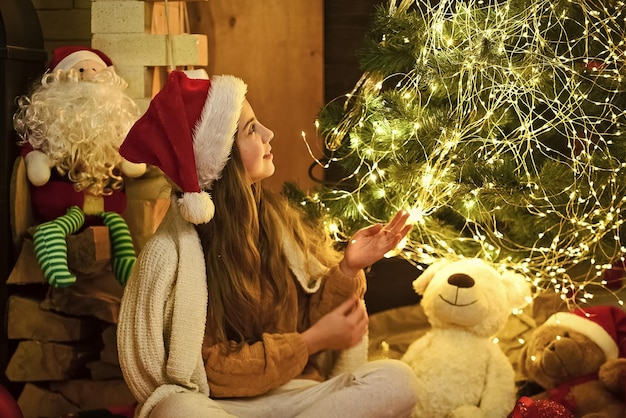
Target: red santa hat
<point x="66" y="57"/>
<point x="188" y="132"/>
<point x="605" y="325"/>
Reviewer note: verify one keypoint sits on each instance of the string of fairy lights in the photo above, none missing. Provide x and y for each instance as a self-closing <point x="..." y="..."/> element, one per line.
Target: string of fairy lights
<point x="524" y="88"/>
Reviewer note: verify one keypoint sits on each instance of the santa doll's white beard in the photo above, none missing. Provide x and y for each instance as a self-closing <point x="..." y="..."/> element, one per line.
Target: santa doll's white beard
<point x="80" y="126"/>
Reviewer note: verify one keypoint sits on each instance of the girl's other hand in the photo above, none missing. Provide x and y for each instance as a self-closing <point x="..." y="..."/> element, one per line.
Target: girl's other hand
<point x="342" y="328"/>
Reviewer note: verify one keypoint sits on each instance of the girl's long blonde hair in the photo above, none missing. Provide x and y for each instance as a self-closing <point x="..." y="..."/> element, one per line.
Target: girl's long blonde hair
<point x="243" y="247"/>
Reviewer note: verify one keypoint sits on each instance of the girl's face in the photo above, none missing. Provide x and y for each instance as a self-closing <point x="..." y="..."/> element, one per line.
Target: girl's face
<point x="253" y="140"/>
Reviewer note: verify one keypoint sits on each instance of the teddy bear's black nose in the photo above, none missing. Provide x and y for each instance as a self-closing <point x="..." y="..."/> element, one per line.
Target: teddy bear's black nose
<point x="461" y="280"/>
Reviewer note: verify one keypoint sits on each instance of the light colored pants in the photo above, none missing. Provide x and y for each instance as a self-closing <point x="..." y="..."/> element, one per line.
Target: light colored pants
<point x="381" y="388"/>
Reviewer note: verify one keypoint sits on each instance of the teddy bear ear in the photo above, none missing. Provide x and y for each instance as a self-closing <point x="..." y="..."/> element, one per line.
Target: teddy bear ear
<point x="421" y="283"/>
<point x="518" y="289"/>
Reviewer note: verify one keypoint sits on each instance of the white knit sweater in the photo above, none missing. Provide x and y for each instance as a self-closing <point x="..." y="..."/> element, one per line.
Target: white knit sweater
<point x="163" y="314"/>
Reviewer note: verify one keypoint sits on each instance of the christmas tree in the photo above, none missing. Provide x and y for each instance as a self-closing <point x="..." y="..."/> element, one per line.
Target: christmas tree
<point x="499" y="125"/>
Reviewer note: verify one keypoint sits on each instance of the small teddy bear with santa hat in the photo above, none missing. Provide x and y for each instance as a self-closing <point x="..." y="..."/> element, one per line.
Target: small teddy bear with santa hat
<point x="70" y="129"/>
<point x="579" y="358"/>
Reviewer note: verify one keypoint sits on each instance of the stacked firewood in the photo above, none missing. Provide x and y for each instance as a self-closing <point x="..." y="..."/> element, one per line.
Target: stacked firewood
<point x="65" y="358"/>
<point x="66" y="352"/>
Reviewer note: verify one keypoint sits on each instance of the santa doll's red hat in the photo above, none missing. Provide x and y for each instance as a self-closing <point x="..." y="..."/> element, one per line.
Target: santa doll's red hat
<point x="66" y="57"/>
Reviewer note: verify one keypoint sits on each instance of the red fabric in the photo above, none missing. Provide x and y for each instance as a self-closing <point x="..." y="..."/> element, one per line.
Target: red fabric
<point x="615" y="276"/>
<point x="559" y="393"/>
<point x="54" y="198"/>
<point x="123" y="411"/>
<point x="529" y="408"/>
<point x="8" y="405"/>
<point x="163" y="136"/>
<point x="25" y="149"/>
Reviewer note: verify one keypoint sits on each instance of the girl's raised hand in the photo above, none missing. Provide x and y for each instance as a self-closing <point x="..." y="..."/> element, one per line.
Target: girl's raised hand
<point x="371" y="243"/>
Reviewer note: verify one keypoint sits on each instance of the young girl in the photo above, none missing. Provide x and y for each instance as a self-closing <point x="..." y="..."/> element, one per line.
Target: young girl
<point x="238" y="306"/>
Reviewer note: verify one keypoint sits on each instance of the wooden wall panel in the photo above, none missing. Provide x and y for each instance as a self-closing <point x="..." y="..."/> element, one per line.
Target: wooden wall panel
<point x="276" y="46"/>
<point x="346" y="22"/>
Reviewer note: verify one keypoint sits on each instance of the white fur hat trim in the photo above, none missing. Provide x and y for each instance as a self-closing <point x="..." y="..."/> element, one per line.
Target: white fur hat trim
<point x="197" y="208"/>
<point x="215" y="131"/>
<point x="588" y="328"/>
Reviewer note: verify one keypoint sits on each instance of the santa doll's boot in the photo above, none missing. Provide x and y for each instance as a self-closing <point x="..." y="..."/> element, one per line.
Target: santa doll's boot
<point x="51" y="246"/>
<point x="123" y="254"/>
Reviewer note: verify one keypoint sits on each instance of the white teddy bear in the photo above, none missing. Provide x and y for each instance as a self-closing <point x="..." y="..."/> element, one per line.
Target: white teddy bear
<point x="460" y="370"/>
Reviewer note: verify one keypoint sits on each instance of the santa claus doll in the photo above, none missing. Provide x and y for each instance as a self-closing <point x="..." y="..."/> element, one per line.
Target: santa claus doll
<point x="70" y="129"/>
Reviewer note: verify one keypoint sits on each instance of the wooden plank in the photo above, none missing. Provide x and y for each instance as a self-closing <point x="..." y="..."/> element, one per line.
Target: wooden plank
<point x="143" y="217"/>
<point x="21" y="209"/>
<point x="175" y="21"/>
<point x="152" y="185"/>
<point x="95" y="394"/>
<point x="26" y="320"/>
<point x="178" y="20"/>
<point x="36" y="401"/>
<point x="346" y="23"/>
<point x="90" y="250"/>
<point x="100" y="370"/>
<point x="98" y="295"/>
<point x="35" y="361"/>
<point x="108" y="354"/>
<point x="276" y="47"/>
<point x="26" y="269"/>
<point x="148" y="199"/>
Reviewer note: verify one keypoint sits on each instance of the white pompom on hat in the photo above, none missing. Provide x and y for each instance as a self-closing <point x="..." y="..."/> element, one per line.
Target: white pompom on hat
<point x="188" y="132"/>
<point x="66" y="57"/>
<point x="604" y="325"/>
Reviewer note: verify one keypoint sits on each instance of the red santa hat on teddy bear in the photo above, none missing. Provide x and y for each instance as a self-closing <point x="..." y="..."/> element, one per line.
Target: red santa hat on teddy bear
<point x="188" y="132"/>
<point x="605" y="325"/>
<point x="66" y="57"/>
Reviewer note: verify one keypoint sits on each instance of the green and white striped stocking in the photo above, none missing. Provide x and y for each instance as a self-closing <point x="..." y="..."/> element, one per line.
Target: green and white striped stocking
<point x="122" y="249"/>
<point x="51" y="246"/>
